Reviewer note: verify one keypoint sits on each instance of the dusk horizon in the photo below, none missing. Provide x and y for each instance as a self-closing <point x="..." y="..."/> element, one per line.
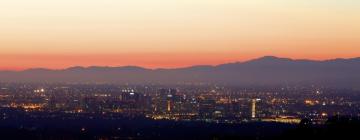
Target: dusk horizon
<point x="173" y="33"/>
<point x="177" y="67"/>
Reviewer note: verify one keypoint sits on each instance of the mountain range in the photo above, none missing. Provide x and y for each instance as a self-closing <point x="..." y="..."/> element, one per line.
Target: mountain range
<point x="268" y="70"/>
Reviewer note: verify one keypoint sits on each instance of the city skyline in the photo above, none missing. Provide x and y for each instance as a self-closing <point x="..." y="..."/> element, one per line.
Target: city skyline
<point x="179" y="69"/>
<point x="173" y="33"/>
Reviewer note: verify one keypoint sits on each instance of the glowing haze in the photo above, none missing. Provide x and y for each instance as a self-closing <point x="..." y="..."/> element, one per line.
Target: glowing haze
<point x="173" y="33"/>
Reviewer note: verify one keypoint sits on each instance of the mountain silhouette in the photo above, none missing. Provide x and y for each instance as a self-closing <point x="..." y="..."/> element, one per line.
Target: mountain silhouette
<point x="268" y="70"/>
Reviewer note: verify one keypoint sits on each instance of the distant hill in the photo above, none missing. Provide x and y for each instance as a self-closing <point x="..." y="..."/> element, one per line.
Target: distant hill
<point x="268" y="70"/>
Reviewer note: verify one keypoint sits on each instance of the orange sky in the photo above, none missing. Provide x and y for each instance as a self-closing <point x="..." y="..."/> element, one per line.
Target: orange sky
<point x="173" y="33"/>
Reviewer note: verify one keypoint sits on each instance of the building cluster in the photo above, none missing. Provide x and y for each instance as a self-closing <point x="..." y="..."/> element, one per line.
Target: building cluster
<point x="184" y="103"/>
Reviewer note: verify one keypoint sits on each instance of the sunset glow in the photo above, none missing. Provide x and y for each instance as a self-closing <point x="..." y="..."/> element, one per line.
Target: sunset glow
<point x="58" y="34"/>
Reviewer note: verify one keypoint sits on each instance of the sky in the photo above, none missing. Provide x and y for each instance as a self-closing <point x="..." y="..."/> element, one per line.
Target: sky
<point x="58" y="34"/>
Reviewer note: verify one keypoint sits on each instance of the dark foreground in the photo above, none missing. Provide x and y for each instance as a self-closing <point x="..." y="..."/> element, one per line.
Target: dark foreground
<point x="135" y="129"/>
<point x="64" y="127"/>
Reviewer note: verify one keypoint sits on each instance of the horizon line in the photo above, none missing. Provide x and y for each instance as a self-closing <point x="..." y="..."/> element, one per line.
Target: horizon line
<point x="182" y="67"/>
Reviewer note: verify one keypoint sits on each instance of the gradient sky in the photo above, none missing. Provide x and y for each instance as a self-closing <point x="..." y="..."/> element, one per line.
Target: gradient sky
<point x="173" y="33"/>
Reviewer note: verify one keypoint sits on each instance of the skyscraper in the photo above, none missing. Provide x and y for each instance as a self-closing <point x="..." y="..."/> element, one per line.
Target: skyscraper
<point x="253" y="108"/>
